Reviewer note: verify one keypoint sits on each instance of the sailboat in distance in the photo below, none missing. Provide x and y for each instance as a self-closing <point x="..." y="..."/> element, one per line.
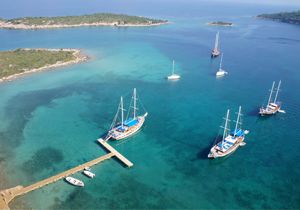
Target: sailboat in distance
<point x="221" y="72"/>
<point x="216" y="51"/>
<point x="129" y="126"/>
<point x="173" y="76"/>
<point x="231" y="140"/>
<point x="272" y="107"/>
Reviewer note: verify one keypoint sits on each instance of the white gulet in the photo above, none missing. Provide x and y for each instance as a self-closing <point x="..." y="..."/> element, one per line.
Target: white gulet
<point x="230" y="140"/>
<point x="129" y="126"/>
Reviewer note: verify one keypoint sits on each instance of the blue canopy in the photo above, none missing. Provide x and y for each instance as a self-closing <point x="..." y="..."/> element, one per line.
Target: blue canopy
<point x="131" y="122"/>
<point x="120" y="128"/>
<point x="238" y="133"/>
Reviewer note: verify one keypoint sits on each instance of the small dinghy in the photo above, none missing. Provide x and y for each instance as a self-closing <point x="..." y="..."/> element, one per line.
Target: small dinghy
<point x="74" y="181"/>
<point x="242" y="143"/>
<point x="89" y="174"/>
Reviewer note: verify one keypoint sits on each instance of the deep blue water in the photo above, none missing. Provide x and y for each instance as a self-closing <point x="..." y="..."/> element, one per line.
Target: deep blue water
<point x="51" y="120"/>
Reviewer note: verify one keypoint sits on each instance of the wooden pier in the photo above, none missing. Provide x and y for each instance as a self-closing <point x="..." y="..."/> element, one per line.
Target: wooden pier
<point x="118" y="155"/>
<point x="6" y="196"/>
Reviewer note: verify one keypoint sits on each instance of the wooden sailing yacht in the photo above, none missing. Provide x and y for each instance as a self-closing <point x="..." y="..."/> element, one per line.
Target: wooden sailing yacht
<point x="221" y="72"/>
<point x="126" y="127"/>
<point x="272" y="107"/>
<point x="216" y="52"/>
<point x="173" y="76"/>
<point x="230" y="140"/>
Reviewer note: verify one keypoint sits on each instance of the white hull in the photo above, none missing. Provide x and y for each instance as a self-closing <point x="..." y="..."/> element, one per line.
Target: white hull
<point x="216" y="152"/>
<point x="174" y="77"/>
<point x="221" y="73"/>
<point x="89" y="174"/>
<point x="75" y="182"/>
<point x="118" y="135"/>
<point x="215" y="53"/>
<point x="269" y="110"/>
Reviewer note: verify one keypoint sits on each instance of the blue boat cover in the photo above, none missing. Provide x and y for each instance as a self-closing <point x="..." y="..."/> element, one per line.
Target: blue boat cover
<point x="130" y="122"/>
<point x="120" y="128"/>
<point x="238" y="133"/>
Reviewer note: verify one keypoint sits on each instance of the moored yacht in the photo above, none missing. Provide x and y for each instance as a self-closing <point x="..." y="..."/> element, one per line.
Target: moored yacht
<point x="173" y="76"/>
<point x="221" y="72"/>
<point x="231" y="140"/>
<point x="216" y="51"/>
<point x="74" y="181"/>
<point x="126" y="127"/>
<point x="274" y="106"/>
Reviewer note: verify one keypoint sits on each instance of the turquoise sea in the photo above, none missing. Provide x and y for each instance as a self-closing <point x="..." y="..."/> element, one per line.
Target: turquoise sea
<point x="50" y="120"/>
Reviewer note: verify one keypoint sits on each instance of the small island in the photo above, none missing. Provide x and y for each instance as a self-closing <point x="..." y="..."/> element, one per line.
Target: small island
<point x="220" y="23"/>
<point x="285" y="17"/>
<point x="99" y="19"/>
<point x="23" y="61"/>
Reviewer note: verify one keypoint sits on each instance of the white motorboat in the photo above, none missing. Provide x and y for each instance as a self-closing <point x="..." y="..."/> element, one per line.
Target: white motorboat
<point x="89" y="173"/>
<point x="74" y="181"/>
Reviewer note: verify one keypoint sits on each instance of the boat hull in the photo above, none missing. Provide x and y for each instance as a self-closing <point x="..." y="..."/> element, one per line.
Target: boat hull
<point x="221" y="73"/>
<point x="173" y="77"/>
<point x="216" y="153"/>
<point x="215" y="53"/>
<point x="75" y="182"/>
<point x="117" y="135"/>
<point x="267" y="111"/>
<point x="89" y="174"/>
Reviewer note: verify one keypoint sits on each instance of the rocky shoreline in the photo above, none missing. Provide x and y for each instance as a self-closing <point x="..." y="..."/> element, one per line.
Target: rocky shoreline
<point x="8" y="25"/>
<point x="79" y="57"/>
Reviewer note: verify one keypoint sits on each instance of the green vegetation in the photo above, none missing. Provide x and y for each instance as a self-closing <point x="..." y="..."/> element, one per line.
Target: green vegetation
<point x="286" y="17"/>
<point x="94" y="18"/>
<point x="21" y="60"/>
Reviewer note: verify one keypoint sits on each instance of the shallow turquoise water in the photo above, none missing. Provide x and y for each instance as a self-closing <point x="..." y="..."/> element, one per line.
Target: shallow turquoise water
<point x="50" y="120"/>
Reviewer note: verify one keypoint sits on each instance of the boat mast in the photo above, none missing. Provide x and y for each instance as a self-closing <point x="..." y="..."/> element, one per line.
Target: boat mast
<point x="237" y="121"/>
<point x="122" y="110"/>
<point x="217" y="41"/>
<point x="134" y="103"/>
<point x="221" y="62"/>
<point x="173" y="67"/>
<point x="277" y="91"/>
<point x="225" y="127"/>
<point x="271" y="93"/>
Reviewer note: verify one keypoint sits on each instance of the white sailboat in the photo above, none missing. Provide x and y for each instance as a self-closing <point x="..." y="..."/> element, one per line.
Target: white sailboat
<point x="173" y="76"/>
<point x="272" y="107"/>
<point x="128" y="127"/>
<point x="221" y="72"/>
<point x="230" y="140"/>
<point x="216" y="51"/>
<point x="74" y="181"/>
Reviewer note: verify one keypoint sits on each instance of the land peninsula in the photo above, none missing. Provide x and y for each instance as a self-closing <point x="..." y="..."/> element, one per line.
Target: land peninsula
<point x="219" y="23"/>
<point x="286" y="17"/>
<point x="23" y="61"/>
<point x="99" y="19"/>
